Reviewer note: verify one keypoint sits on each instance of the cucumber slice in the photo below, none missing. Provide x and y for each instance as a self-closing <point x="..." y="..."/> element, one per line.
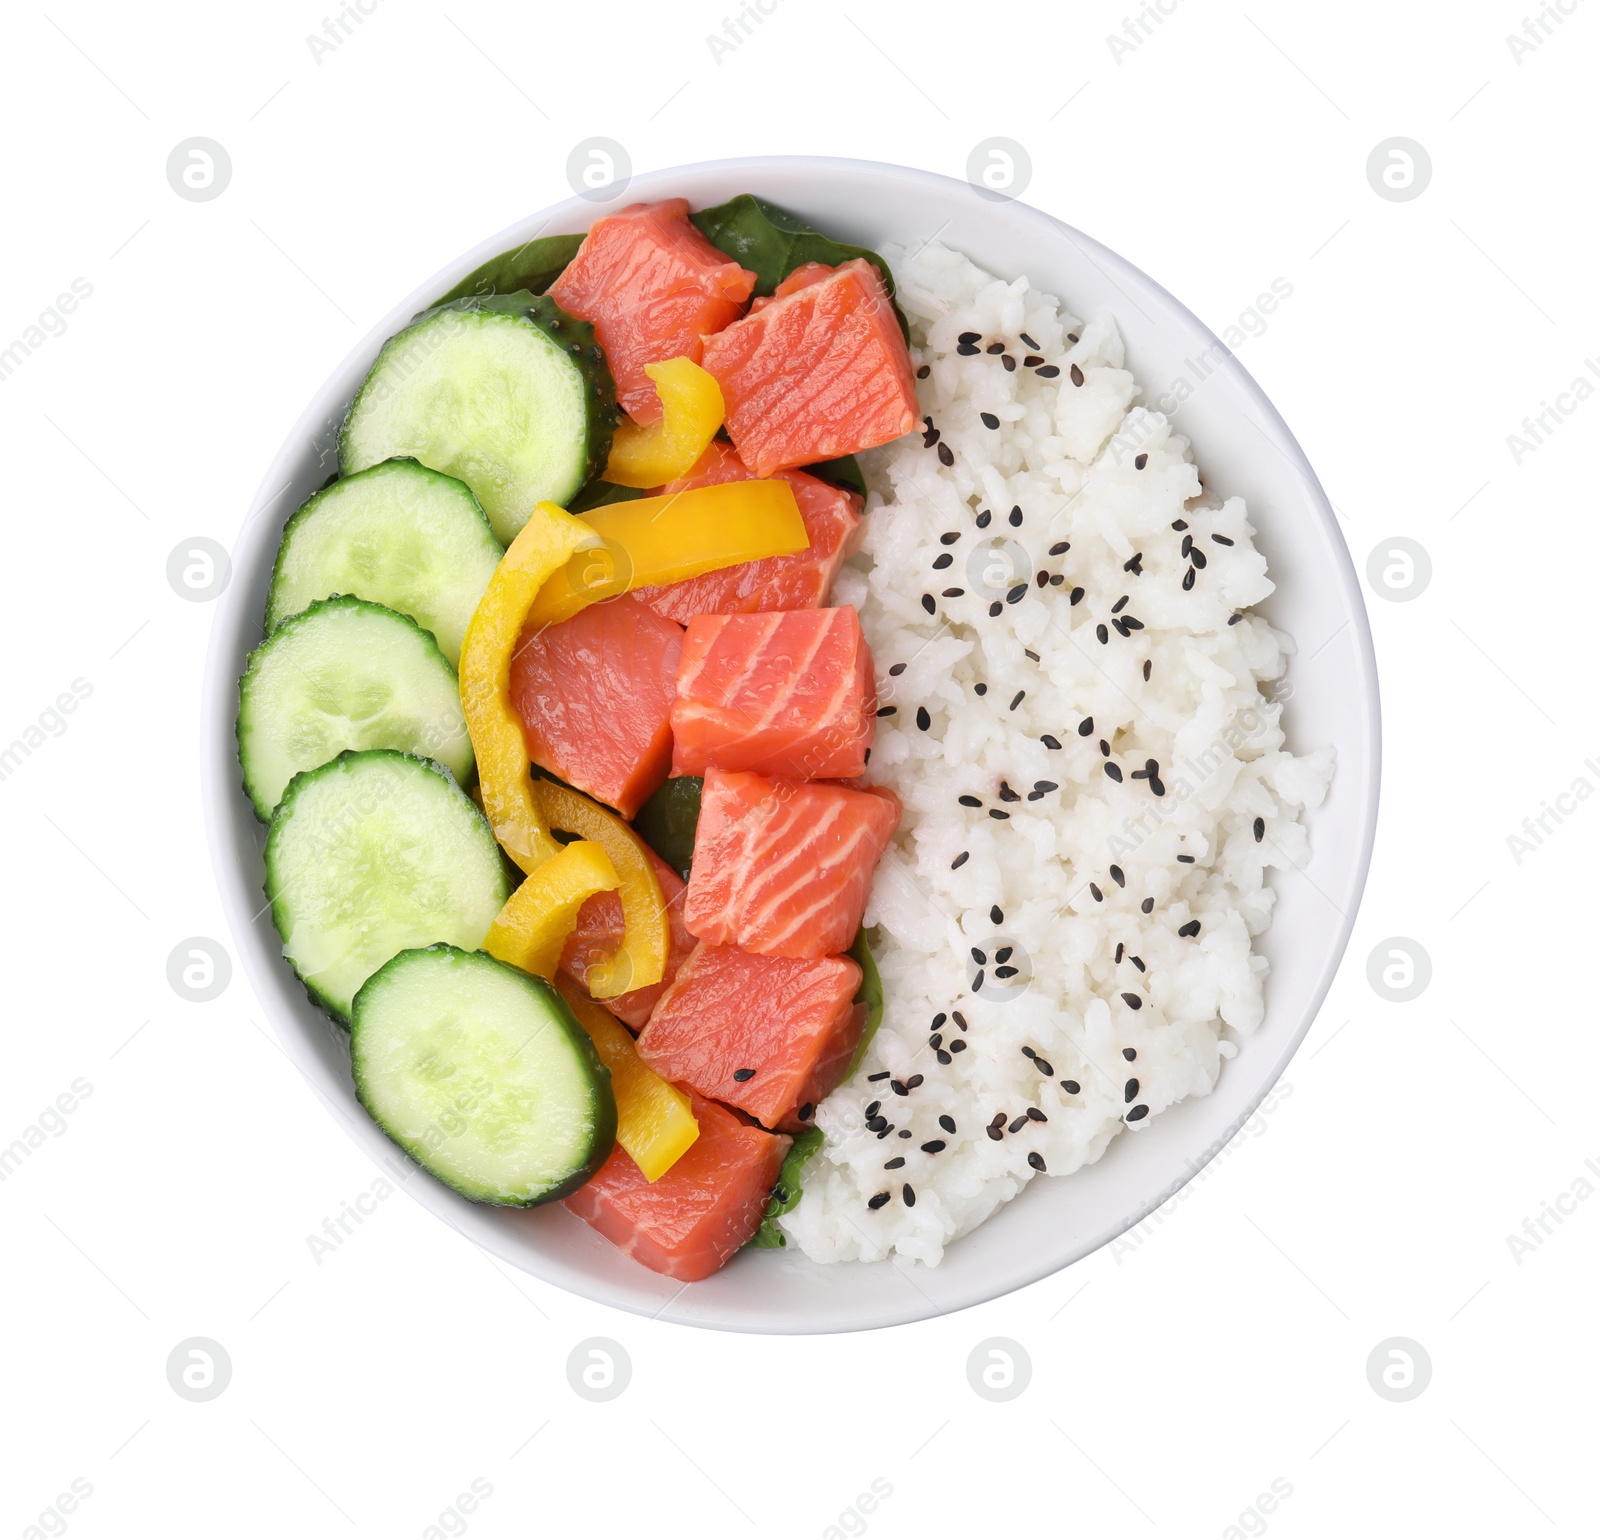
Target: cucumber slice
<point x="508" y="392"/>
<point x="481" y="1073"/>
<point x="372" y="853"/>
<point x="398" y="534"/>
<point x="345" y="674"/>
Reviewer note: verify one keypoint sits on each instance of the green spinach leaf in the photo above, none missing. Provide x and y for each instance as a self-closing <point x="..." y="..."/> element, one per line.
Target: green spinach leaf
<point x="870" y="994"/>
<point x="786" y="1192"/>
<point x="598" y="493"/>
<point x="534" y="266"/>
<point x="772" y="243"/>
<point x="666" y="823"/>
<point x="843" y="472"/>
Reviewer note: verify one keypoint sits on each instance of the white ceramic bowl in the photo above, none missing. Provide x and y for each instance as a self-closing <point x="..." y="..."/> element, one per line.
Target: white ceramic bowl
<point x="1242" y="446"/>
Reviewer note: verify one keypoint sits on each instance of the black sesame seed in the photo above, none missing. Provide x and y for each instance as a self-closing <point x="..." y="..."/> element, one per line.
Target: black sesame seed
<point x="995" y="608"/>
<point x="970" y="337"/>
<point x="1033" y="360"/>
<point x="1103" y="634"/>
<point x="909" y="1193"/>
<point x="1077" y="375"/>
<point x="966" y="799"/>
<point x="894" y="1165"/>
<point x="1120" y="950"/>
<point x="1188" y="580"/>
<point x="1146" y="668"/>
<point x="1075" y="596"/>
<point x="1120" y="626"/>
<point x="1105" y="748"/>
<point x="1016" y="700"/>
<point x="1114" y="771"/>
<point x="1036" y="1160"/>
<point x="1147" y="906"/>
<point x="882" y="1074"/>
<point x="998" y="1120"/>
<point x="1120" y="605"/>
<point x="980" y="689"/>
<point x="1015" y="516"/>
<point x="995" y="347"/>
<point x="872" y="1109"/>
<point x="942" y="1056"/>
<point x="1099" y="897"/>
<point x="998" y="812"/>
<point x="959" y="1020"/>
<point x="924" y="721"/>
<point x="1056" y="579"/>
<point x="1222" y="540"/>
<point x="1050" y="741"/>
<point x="930" y="434"/>
<point x="1180" y="525"/>
<point x="1085" y="727"/>
<point x="932" y="1147"/>
<point x="1042" y="577"/>
<point x="983" y="518"/>
<point x="947" y="1123"/>
<point x="1043" y="1065"/>
<point x="1072" y="337"/>
<point x="1187" y="860"/>
<point x="1027" y="339"/>
<point x="1007" y="794"/>
<point x="1071" y="1087"/>
<point x="744" y="1074"/>
<point x="960" y="860"/>
<point x="883" y="1133"/>
<point x="877" y="1200"/>
<point x="899" y="1087"/>
<point x="913" y="1082"/>
<point x="1005" y="973"/>
<point x="928" y="604"/>
<point x="1016" y="1125"/>
<point x="887" y="711"/>
<point x="1061" y="547"/>
<point x="958" y="1046"/>
<point x="942" y="560"/>
<point x="1130" y="1054"/>
<point x="1130" y="1090"/>
<point x="924" y="371"/>
<point x="1036" y="1116"/>
<point x="1028" y="652"/>
<point x="1140" y="461"/>
<point x="995" y="1133"/>
<point x="1118" y="878"/>
<point x="978" y="956"/>
<point x="1187" y="546"/>
<point x="1260" y="829"/>
<point x="946" y="457"/>
<point x="1191" y="929"/>
<point x="1134" y="564"/>
<point x="878" y="1124"/>
<point x="953" y="593"/>
<point x="1016" y="593"/>
<point x="1234" y="620"/>
<point x="1009" y="362"/>
<point x="905" y="1133"/>
<point x="977" y="982"/>
<point x="937" y="1022"/>
<point x="1049" y="372"/>
<point x="1141" y="1111"/>
<point x="1198" y="557"/>
<point x="896" y="669"/>
<point x="966" y="350"/>
<point x="989" y="420"/>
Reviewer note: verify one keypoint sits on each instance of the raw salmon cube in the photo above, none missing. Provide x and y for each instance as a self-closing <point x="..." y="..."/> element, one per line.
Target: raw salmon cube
<point x="783" y="867"/>
<point x="651" y="285"/>
<point x="787" y="693"/>
<point x="688" y="1222"/>
<point x="595" y="696"/>
<point x="832" y="517"/>
<point x="820" y="372"/>
<point x="598" y="933"/>
<point x="756" y="1031"/>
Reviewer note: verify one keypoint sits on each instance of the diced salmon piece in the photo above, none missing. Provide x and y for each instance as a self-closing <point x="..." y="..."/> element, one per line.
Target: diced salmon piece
<point x="783" y="867"/>
<point x="598" y="933"/>
<point x="595" y="696"/>
<point x="651" y="285"/>
<point x="787" y="693"/>
<point x="820" y="372"/>
<point x="832" y="517"/>
<point x="755" y="1031"/>
<point x="688" y="1222"/>
<point x="807" y="272"/>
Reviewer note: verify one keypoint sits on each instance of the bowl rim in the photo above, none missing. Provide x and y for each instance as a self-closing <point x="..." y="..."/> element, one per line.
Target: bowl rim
<point x="221" y="788"/>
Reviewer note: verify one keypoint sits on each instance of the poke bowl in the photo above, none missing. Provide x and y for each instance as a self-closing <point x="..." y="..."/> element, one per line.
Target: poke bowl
<point x="1101" y="722"/>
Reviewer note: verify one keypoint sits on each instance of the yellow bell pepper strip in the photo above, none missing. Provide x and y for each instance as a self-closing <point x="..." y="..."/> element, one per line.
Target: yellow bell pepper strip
<point x="547" y="543"/>
<point x="676" y="536"/>
<point x="655" y="1123"/>
<point x="656" y="453"/>
<point x="641" y="959"/>
<point x="537" y="919"/>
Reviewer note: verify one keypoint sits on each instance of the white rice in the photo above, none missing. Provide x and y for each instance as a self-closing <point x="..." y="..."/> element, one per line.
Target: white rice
<point x="1065" y="455"/>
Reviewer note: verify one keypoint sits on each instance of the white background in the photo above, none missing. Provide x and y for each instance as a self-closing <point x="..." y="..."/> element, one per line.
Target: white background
<point x="1173" y="1380"/>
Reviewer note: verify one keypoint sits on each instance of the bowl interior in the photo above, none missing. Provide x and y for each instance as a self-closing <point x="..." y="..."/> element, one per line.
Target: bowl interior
<point x="1242" y="446"/>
